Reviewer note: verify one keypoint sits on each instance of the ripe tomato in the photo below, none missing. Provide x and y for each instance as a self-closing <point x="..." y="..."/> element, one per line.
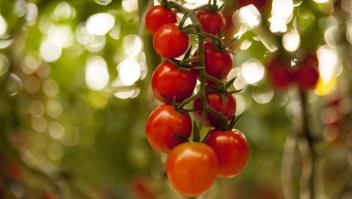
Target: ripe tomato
<point x="307" y="74"/>
<point x="215" y="101"/>
<point x="169" y="41"/>
<point x="307" y="77"/>
<point x="169" y="82"/>
<point x="280" y="74"/>
<point x="211" y="22"/>
<point x="191" y="168"/>
<point x="158" y="16"/>
<point x="217" y="63"/>
<point x="162" y="123"/>
<point x="310" y="60"/>
<point x="232" y="150"/>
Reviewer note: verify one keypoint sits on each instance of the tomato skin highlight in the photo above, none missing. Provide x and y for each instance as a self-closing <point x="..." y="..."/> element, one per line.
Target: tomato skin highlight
<point x="169" y="82"/>
<point x="232" y="150"/>
<point x="214" y="99"/>
<point x="162" y="123"/>
<point x="158" y="16"/>
<point x="169" y="41"/>
<point x="192" y="168"/>
<point x="211" y="22"/>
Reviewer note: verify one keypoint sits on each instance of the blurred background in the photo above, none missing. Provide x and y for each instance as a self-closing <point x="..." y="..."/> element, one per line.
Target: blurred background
<point x="75" y="95"/>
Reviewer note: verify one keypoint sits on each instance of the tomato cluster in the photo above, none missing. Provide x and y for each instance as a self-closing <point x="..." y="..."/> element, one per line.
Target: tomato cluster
<point x="193" y="164"/>
<point x="305" y="75"/>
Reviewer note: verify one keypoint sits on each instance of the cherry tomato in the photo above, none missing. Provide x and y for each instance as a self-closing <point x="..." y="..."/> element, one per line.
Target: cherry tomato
<point x="169" y="41"/>
<point x="211" y="22"/>
<point x="307" y="77"/>
<point x="232" y="150"/>
<point x="162" y="123"/>
<point x="169" y="82"/>
<point x="217" y="63"/>
<point x="192" y="168"/>
<point x="311" y="60"/>
<point x="215" y="101"/>
<point x="280" y="74"/>
<point x="158" y="16"/>
<point x="307" y="74"/>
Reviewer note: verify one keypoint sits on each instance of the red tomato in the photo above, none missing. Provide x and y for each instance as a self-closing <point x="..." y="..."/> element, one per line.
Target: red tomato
<point x="191" y="168"/>
<point x="311" y="60"/>
<point x="158" y="16"/>
<point x="280" y="74"/>
<point x="169" y="41"/>
<point x="211" y="22"/>
<point x="307" y="74"/>
<point x="232" y="150"/>
<point x="169" y="82"/>
<point x="142" y="189"/>
<point x="162" y="123"/>
<point x="307" y="77"/>
<point x="217" y="63"/>
<point x="215" y="101"/>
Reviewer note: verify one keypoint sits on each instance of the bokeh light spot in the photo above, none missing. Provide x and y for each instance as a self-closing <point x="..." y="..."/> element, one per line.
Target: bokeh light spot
<point x="3" y="25"/>
<point x="291" y="40"/>
<point x="97" y="75"/>
<point x="130" y="5"/>
<point x="132" y="45"/>
<point x="253" y="71"/>
<point x="100" y="24"/>
<point x="50" y="51"/>
<point x="129" y="71"/>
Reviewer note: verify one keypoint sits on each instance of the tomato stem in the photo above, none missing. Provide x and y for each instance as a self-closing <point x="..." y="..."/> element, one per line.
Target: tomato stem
<point x="202" y="90"/>
<point x="186" y="101"/>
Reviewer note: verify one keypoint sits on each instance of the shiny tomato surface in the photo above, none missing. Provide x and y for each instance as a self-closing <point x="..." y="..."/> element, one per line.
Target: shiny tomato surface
<point x="169" y="82"/>
<point x="169" y="41"/>
<point x="232" y="150"/>
<point x="192" y="168"/>
<point x="162" y="123"/>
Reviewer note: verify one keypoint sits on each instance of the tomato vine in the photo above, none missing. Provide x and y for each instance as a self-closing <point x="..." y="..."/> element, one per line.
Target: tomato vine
<point x="214" y="105"/>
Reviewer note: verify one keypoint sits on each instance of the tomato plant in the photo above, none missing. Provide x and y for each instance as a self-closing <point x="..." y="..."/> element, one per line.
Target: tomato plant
<point x="162" y="123"/>
<point x="226" y="107"/>
<point x="169" y="41"/>
<point x="169" y="82"/>
<point x="158" y="16"/>
<point x="191" y="168"/>
<point x="232" y="150"/>
<point x="211" y="22"/>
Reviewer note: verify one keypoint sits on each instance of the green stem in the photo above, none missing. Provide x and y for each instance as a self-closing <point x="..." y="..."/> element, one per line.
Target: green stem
<point x="310" y="151"/>
<point x="215" y="80"/>
<point x="186" y="101"/>
<point x="202" y="89"/>
<point x="190" y="60"/>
